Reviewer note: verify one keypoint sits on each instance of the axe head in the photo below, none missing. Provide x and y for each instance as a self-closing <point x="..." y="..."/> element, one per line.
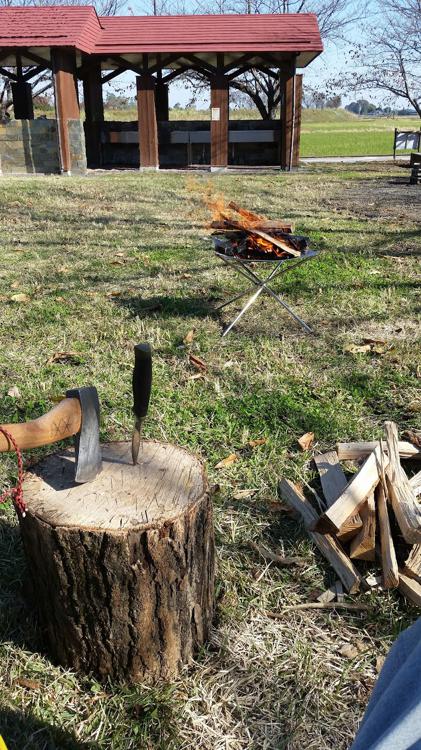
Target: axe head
<point x="88" y="456"/>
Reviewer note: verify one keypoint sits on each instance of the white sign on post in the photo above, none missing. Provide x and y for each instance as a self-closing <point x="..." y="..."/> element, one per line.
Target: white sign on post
<point x="407" y="141"/>
<point x="216" y="114"/>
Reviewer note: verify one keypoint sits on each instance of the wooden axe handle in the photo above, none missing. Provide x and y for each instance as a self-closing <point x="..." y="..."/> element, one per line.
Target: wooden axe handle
<point x="61" y="422"/>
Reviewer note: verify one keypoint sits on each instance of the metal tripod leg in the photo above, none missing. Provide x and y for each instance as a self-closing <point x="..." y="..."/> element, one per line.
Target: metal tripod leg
<point x="280" y="301"/>
<point x="249" y="302"/>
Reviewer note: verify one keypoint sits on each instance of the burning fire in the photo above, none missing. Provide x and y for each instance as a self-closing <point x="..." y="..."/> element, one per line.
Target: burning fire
<point x="245" y="233"/>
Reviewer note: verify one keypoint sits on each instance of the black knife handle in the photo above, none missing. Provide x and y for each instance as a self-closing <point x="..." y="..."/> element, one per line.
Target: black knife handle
<point x="142" y="379"/>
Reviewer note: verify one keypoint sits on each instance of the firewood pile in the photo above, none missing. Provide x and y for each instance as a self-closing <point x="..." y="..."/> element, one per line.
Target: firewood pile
<point x="244" y="234"/>
<point x="374" y="517"/>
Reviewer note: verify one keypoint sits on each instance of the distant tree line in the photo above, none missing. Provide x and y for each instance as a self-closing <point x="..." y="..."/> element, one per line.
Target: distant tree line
<point x="364" y="107"/>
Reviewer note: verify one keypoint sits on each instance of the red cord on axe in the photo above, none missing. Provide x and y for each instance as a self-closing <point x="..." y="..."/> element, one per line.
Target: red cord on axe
<point x="16" y="493"/>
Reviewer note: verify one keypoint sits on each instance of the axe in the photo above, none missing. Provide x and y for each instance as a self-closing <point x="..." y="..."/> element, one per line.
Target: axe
<point x="78" y="415"/>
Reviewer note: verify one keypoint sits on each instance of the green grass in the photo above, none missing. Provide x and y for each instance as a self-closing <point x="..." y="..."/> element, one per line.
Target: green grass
<point x="114" y="259"/>
<point x="324" y="132"/>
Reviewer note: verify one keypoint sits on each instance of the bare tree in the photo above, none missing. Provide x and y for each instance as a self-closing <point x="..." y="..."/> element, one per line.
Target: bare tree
<point x="389" y="58"/>
<point x="263" y="88"/>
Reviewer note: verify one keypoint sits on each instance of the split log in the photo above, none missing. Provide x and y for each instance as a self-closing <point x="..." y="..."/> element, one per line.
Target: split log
<point x="334" y="481"/>
<point x="410" y="588"/>
<point x="389" y="563"/>
<point x="261" y="222"/>
<point x="363" y="546"/>
<point x="354" y="451"/>
<point x="405" y="505"/>
<point x="122" y="568"/>
<point x="327" y="544"/>
<point x="415" y="483"/>
<point x="249" y="215"/>
<point x="412" y="567"/>
<point x="354" y="495"/>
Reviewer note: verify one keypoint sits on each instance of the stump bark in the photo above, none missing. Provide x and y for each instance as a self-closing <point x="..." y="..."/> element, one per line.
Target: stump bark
<point x="122" y="568"/>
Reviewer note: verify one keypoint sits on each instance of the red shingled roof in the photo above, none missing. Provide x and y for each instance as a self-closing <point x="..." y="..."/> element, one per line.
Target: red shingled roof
<point x="54" y="26"/>
<point x="211" y="33"/>
<point x="80" y="27"/>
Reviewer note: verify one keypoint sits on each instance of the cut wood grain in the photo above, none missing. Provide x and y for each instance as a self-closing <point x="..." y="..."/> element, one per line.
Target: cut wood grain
<point x="389" y="563"/>
<point x="334" y="481"/>
<point x="354" y="495"/>
<point x="363" y="546"/>
<point x="327" y="544"/>
<point x="328" y="596"/>
<point x="354" y="451"/>
<point x="410" y="588"/>
<point x="404" y="502"/>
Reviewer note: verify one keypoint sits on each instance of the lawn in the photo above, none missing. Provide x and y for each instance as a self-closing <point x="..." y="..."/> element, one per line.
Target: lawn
<point x="93" y="265"/>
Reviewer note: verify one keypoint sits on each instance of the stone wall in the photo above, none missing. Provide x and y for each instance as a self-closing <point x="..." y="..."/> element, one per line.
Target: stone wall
<point x="28" y="146"/>
<point x="31" y="146"/>
<point x="77" y="146"/>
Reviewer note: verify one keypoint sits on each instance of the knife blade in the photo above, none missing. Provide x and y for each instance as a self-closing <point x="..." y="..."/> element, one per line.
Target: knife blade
<point x="142" y="384"/>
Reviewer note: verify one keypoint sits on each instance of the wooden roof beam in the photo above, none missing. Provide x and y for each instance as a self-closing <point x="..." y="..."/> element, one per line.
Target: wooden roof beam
<point x="113" y="74"/>
<point x="8" y="74"/>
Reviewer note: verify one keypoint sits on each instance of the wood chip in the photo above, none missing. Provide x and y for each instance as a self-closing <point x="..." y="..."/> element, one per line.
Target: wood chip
<point x="328" y="596"/>
<point x="306" y="441"/>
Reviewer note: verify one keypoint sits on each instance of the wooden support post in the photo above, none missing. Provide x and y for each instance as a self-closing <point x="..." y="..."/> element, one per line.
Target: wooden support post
<point x="94" y="111"/>
<point x="22" y="100"/>
<point x="297" y="120"/>
<point x="122" y="568"/>
<point x="219" y="121"/>
<point x="288" y="109"/>
<point x="161" y="102"/>
<point x="148" y="129"/>
<point x="66" y="100"/>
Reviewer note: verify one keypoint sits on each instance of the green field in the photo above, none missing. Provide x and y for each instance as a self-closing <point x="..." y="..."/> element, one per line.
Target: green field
<point x="324" y="132"/>
<point x="339" y="133"/>
<point x="92" y="265"/>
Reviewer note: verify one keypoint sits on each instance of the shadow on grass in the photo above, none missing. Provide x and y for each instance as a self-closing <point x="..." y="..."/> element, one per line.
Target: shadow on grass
<point x="24" y="732"/>
<point x="168" y="306"/>
<point x="17" y="616"/>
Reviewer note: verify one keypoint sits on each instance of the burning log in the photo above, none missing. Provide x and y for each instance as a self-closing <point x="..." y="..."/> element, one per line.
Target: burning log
<point x="252" y="235"/>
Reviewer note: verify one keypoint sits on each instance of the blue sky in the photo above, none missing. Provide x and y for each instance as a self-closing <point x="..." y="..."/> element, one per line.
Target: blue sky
<point x="326" y="66"/>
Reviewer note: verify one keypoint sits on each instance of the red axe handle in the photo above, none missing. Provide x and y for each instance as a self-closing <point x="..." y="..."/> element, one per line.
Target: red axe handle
<point x="63" y="421"/>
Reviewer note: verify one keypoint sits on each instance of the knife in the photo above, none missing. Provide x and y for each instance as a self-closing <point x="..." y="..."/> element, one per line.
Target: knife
<point x="142" y="383"/>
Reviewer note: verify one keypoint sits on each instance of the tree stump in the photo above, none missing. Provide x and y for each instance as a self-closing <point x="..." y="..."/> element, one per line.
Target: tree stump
<point x="122" y="568"/>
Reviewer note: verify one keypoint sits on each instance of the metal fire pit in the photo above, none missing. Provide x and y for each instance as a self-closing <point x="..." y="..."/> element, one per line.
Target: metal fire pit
<point x="244" y="266"/>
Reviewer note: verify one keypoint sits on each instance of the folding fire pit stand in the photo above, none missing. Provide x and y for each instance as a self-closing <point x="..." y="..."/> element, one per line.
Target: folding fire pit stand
<point x="243" y="266"/>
